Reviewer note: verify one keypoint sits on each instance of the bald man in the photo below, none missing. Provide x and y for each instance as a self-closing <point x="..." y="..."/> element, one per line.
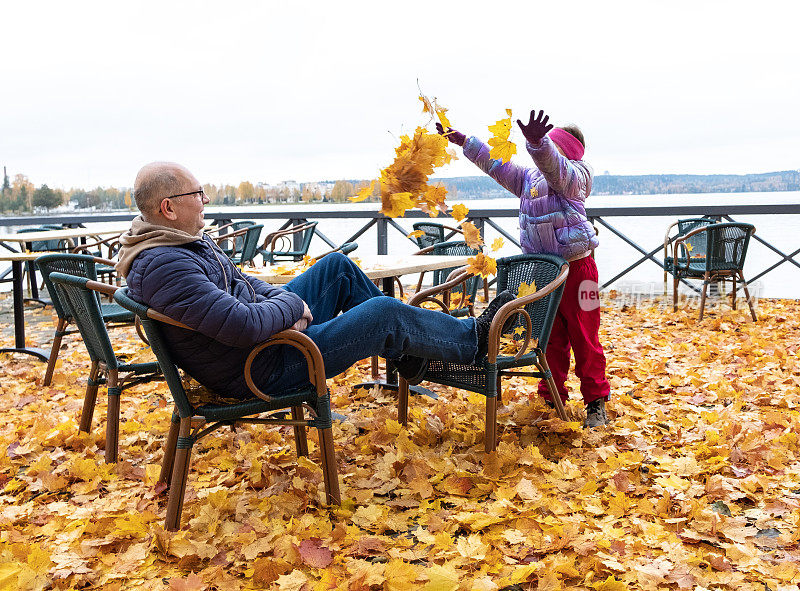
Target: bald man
<point x="171" y="266"/>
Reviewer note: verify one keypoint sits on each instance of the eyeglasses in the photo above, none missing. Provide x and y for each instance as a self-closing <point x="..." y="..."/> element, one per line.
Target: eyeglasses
<point x="199" y="192"/>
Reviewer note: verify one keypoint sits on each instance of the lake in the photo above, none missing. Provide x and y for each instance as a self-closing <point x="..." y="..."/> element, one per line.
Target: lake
<point x="613" y="254"/>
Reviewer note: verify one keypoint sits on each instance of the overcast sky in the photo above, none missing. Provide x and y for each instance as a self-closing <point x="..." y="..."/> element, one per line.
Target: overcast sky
<point x="271" y="91"/>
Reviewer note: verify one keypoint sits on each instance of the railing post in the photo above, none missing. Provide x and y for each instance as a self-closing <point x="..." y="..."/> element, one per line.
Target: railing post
<point x="383" y="235"/>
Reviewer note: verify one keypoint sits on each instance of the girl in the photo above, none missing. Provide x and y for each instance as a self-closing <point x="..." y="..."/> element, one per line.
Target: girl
<point x="552" y="219"/>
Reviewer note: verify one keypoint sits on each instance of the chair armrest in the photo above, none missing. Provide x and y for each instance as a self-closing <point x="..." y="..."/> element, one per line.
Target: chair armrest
<point x="272" y="237"/>
<point x="301" y="342"/>
<point x="218" y="229"/>
<point x="517" y="306"/>
<point x="425" y="250"/>
<point x="680" y="243"/>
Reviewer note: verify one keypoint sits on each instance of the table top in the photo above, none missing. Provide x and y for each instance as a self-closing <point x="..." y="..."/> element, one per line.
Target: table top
<point x="375" y="266"/>
<point x="56" y="234"/>
<point x="6" y="256"/>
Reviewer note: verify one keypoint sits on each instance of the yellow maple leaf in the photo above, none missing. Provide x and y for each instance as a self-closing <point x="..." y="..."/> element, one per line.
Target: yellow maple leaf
<point x="442" y="578"/>
<point x="364" y="193"/>
<point x="472" y="235"/>
<point x="440" y="112"/>
<point x="427" y="104"/>
<point x="459" y="212"/>
<point x="396" y="204"/>
<point x="415" y="234"/>
<point x="525" y="289"/>
<point x="498" y="244"/>
<point x="501" y="128"/>
<point x="400" y="576"/>
<point x="502" y="149"/>
<point x="482" y="265"/>
<point x="610" y="584"/>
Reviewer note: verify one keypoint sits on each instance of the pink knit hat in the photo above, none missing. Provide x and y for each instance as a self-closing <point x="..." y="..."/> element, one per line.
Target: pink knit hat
<point x="569" y="144"/>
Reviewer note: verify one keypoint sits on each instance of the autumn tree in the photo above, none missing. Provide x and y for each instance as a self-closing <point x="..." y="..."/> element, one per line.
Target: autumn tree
<point x="45" y="197"/>
<point x="342" y="190"/>
<point x="245" y="191"/>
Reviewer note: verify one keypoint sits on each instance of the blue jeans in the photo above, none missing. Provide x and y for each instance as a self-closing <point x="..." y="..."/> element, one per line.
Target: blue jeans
<point x="370" y="323"/>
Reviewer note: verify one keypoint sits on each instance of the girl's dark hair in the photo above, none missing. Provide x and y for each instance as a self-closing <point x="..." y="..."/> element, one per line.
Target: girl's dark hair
<point x="576" y="131"/>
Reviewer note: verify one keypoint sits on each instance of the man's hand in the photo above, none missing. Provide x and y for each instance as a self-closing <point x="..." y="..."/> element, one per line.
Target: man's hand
<point x="536" y="128"/>
<point x="305" y="320"/>
<point x="455" y="137"/>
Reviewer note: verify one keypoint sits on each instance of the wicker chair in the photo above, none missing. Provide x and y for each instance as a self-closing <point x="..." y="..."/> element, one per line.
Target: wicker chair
<point x="535" y="313"/>
<point x="80" y="296"/>
<point x="190" y="418"/>
<point x="698" y="247"/>
<point x="244" y="244"/>
<point x="465" y="291"/>
<point x="433" y="233"/>
<point x="282" y="246"/>
<point x="81" y="265"/>
<point x="223" y="239"/>
<point x="722" y="249"/>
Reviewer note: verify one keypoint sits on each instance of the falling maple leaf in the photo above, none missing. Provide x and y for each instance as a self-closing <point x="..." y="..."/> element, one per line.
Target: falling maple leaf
<point x="459" y="212"/>
<point x="396" y="204"/>
<point x="502" y="148"/>
<point x="415" y="234"/>
<point x="498" y="244"/>
<point x="472" y="236"/>
<point x="364" y="193"/>
<point x="482" y="265"/>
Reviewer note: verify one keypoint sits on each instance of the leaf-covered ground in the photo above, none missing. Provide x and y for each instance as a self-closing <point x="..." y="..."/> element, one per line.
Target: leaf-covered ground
<point x="694" y="485"/>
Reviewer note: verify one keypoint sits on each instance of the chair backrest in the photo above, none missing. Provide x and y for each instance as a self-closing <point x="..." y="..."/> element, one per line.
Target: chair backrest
<point x="238" y="241"/>
<point x="80" y="265"/>
<point x="456" y="248"/>
<point x="249" y="248"/>
<point x="698" y="241"/>
<point x="292" y="252"/>
<point x="83" y="303"/>
<point x="541" y="269"/>
<point x="727" y="245"/>
<point x="158" y="343"/>
<point x="433" y="233"/>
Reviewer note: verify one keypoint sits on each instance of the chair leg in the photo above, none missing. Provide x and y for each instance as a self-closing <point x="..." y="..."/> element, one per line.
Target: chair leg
<point x="374" y="364"/>
<point x="112" y="419"/>
<point x="747" y="295"/>
<point x="486" y="288"/>
<point x="733" y="292"/>
<point x="51" y="363"/>
<point x="551" y="385"/>
<point x="169" y="450"/>
<point x="330" y="473"/>
<point x="90" y="398"/>
<point x="300" y="440"/>
<point x="402" y="401"/>
<point x="703" y="295"/>
<point x="419" y="283"/>
<point x="490" y="433"/>
<point x="180" y="474"/>
<point x="675" y="281"/>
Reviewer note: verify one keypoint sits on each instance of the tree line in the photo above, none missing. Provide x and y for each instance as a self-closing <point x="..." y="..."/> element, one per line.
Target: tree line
<point x="20" y="195"/>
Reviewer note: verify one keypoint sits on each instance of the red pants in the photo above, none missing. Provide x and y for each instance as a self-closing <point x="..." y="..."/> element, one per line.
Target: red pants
<point x="576" y="326"/>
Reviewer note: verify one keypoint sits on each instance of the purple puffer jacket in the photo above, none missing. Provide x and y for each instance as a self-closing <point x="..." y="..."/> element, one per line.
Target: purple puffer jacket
<point x="552" y="213"/>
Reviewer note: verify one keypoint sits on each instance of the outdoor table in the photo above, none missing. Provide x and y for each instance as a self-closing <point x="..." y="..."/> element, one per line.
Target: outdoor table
<point x="384" y="267"/>
<point x="16" y="260"/>
<point x="26" y="238"/>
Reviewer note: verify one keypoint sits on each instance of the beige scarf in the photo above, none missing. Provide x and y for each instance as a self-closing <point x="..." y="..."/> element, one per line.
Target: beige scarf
<point x="144" y="235"/>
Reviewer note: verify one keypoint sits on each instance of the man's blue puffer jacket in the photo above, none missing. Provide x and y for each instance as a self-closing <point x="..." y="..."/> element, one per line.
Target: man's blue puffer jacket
<point x="196" y="284"/>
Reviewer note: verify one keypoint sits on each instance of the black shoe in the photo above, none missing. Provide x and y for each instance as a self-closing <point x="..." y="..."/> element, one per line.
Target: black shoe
<point x="484" y="321"/>
<point x="411" y="368"/>
<point x="595" y="414"/>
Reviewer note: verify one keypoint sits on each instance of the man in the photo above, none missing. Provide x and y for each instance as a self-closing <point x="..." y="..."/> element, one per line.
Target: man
<point x="171" y="266"/>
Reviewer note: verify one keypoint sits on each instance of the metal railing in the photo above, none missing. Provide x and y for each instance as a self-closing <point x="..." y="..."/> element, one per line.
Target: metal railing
<point x="482" y="218"/>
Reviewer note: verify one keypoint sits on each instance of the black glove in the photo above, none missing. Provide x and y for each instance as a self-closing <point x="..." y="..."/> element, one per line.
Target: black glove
<point x="536" y="128"/>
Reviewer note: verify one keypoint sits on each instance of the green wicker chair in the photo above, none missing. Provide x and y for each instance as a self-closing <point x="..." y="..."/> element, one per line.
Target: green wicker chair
<point x="698" y="246"/>
<point x="223" y="239"/>
<point x="468" y="289"/>
<point x="280" y="245"/>
<point x="190" y="418"/>
<point x="80" y="296"/>
<point x="433" y="233"/>
<point x="535" y="313"/>
<point x="81" y="265"/>
<point x="724" y="247"/>
<point x="245" y="244"/>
